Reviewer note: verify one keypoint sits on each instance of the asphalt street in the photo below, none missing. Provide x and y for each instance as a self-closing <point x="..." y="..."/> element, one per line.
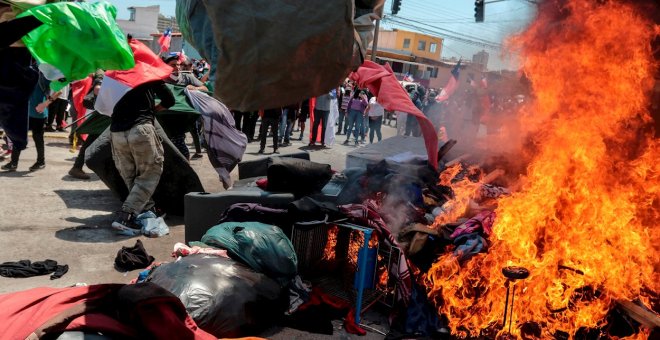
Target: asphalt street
<point x="47" y="214"/>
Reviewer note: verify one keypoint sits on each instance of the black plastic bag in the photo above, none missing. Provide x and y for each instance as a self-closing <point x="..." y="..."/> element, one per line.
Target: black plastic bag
<point x="298" y="176"/>
<point x="224" y="297"/>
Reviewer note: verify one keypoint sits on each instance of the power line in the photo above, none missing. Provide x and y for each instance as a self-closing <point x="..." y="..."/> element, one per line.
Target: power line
<point x="456" y="34"/>
<point x="463" y="39"/>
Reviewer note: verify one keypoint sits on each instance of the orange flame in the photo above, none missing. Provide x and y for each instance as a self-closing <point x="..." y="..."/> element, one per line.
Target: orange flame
<point x="586" y="216"/>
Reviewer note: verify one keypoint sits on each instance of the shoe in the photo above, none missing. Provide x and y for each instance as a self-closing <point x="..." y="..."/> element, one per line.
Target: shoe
<point x="346" y="142"/>
<point x="37" y="166"/>
<point x="9" y="167"/>
<point x="78" y="173"/>
<point x="261" y="151"/>
<point x="276" y="151"/>
<point x="197" y="156"/>
<point x="311" y="144"/>
<point x="323" y="145"/>
<point x="356" y="143"/>
<point x="60" y="129"/>
<point x="49" y="129"/>
<point x="126" y="221"/>
<point x="363" y="142"/>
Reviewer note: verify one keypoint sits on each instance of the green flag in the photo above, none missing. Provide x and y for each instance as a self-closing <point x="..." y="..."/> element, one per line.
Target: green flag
<point x="76" y="39"/>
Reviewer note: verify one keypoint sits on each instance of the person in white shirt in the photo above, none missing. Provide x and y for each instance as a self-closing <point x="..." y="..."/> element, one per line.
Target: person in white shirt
<point x="375" y="111"/>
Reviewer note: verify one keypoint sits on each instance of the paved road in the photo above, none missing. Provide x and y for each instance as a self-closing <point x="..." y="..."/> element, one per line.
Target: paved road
<point x="49" y="215"/>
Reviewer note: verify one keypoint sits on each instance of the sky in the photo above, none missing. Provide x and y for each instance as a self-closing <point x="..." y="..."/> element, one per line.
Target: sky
<point x="435" y="17"/>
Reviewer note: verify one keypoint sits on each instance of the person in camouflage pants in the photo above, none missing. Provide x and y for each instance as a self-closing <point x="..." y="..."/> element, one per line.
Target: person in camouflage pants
<point x="137" y="149"/>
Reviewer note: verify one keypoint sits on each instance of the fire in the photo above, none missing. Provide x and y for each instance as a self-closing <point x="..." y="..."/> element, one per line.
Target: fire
<point x="331" y="244"/>
<point x="464" y="191"/>
<point x="584" y="221"/>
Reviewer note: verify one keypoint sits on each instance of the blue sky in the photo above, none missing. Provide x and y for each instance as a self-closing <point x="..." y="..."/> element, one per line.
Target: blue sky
<point x="501" y="19"/>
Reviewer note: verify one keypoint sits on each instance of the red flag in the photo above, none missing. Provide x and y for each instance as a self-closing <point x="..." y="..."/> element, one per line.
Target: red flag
<point x="380" y="80"/>
<point x="451" y="86"/>
<point x="164" y="40"/>
<point x="79" y="90"/>
<point x="148" y="67"/>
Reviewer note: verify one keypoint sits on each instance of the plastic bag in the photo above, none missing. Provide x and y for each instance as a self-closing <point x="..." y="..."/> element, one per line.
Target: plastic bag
<point x="263" y="247"/>
<point x="224" y="297"/>
<point x="152" y="226"/>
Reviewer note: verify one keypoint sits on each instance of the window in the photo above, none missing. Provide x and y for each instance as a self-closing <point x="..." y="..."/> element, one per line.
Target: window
<point x="433" y="47"/>
<point x="406" y="43"/>
<point x="421" y="45"/>
<point x="132" y="14"/>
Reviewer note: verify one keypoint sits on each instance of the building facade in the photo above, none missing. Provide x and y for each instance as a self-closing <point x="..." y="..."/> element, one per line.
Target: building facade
<point x="142" y="22"/>
<point x="481" y="59"/>
<point x="410" y="53"/>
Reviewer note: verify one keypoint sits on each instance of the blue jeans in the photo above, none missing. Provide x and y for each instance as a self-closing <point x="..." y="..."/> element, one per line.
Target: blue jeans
<point x="354" y="120"/>
<point x="374" y="127"/>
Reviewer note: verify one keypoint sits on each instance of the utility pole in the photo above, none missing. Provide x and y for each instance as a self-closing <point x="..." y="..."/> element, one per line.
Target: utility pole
<point x="374" y="46"/>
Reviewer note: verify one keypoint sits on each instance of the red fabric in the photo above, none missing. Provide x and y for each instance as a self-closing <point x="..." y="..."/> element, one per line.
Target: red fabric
<point x="146" y="310"/>
<point x="23" y="312"/>
<point x="318" y="297"/>
<point x="380" y="80"/>
<point x="164" y="42"/>
<point x="262" y="183"/>
<point x="148" y="67"/>
<point x="312" y="105"/>
<point x="79" y="90"/>
<point x="350" y="325"/>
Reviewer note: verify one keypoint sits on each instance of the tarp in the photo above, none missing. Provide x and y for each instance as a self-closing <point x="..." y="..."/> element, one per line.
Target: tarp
<point x="279" y="52"/>
<point x="226" y="144"/>
<point x="178" y="177"/>
<point x="76" y="39"/>
<point x="176" y="119"/>
<point x="380" y="81"/>
<point x="263" y="247"/>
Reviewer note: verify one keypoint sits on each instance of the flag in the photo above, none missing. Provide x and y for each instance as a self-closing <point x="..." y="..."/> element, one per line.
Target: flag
<point x="76" y="39"/>
<point x="380" y="81"/>
<point x="408" y="77"/>
<point x="164" y="40"/>
<point x="451" y="86"/>
<point x="148" y="67"/>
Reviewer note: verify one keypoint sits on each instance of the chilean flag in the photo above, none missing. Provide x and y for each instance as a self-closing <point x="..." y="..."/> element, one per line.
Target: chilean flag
<point x="164" y="40"/>
<point x="148" y="67"/>
<point x="451" y="86"/>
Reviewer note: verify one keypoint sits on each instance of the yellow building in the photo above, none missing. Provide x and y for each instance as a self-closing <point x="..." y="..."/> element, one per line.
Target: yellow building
<point x="417" y="44"/>
<point x="416" y="54"/>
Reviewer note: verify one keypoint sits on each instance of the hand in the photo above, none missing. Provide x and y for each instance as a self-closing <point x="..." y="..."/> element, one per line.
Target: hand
<point x="191" y="87"/>
<point x="42" y="107"/>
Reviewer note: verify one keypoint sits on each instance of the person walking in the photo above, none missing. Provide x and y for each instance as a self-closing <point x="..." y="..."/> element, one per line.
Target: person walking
<point x="342" y="124"/>
<point x="289" y="113"/>
<point x="321" y="113"/>
<point x="303" y="116"/>
<point x="182" y="75"/>
<point x="137" y="149"/>
<point x="271" y="118"/>
<point x="76" y="170"/>
<point x="57" y="108"/>
<point x="375" y="111"/>
<point x="356" y="106"/>
<point x="37" y="115"/>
